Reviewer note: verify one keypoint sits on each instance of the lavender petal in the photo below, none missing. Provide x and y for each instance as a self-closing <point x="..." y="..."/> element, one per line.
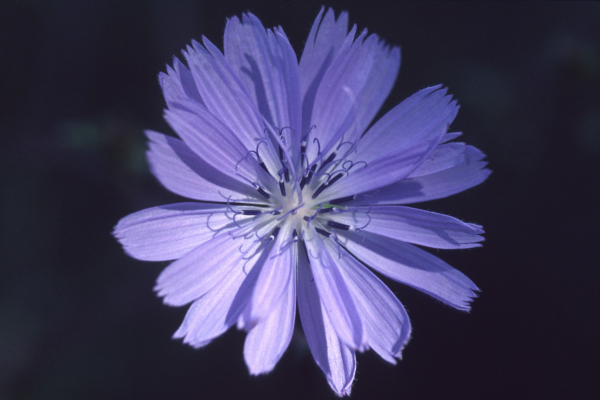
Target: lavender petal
<point x="412" y="225"/>
<point x="336" y="360"/>
<point x="398" y="143"/>
<point x="178" y="83"/>
<point x="183" y="172"/>
<point x="414" y="267"/>
<point x="274" y="276"/>
<point x="471" y="172"/>
<point x="335" y="107"/>
<point x="386" y="321"/>
<point x="196" y="273"/>
<point x="268" y="339"/>
<point x="171" y="231"/>
<point x="215" y="143"/>
<point x="443" y="157"/>
<point x="325" y="39"/>
<point x="227" y="100"/>
<point x="334" y="294"/>
<point x="268" y="69"/>
<point x="214" y="313"/>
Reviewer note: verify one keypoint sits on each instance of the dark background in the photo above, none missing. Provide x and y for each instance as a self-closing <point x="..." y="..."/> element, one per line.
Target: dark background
<point x="79" y="319"/>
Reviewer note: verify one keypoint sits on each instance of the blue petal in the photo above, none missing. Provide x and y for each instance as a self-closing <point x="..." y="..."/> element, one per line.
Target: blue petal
<point x="412" y="266"/>
<point x="335" y="108"/>
<point x="171" y="231"/>
<point x="268" y="69"/>
<point x="196" y="273"/>
<point x="183" y="172"/>
<point x="336" y="360"/>
<point x="386" y="321"/>
<point x="216" y="144"/>
<point x="443" y="157"/>
<point x="398" y="143"/>
<point x="380" y="82"/>
<point x="214" y="313"/>
<point x="227" y="100"/>
<point x="274" y="276"/>
<point x="267" y="341"/>
<point x="334" y="293"/>
<point x="324" y="41"/>
<point x="471" y="172"/>
<point x="178" y="83"/>
<point x="412" y="225"/>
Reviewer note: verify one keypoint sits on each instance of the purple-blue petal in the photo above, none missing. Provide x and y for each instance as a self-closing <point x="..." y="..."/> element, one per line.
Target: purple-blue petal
<point x="216" y="144"/>
<point x="169" y="232"/>
<point x="324" y="41"/>
<point x="183" y="172"/>
<point x="178" y="83"/>
<point x="471" y="172"/>
<point x="227" y="100"/>
<point x="214" y="313"/>
<point x="268" y="69"/>
<point x="334" y="293"/>
<point x="412" y="266"/>
<point x="336" y="360"/>
<point x="412" y="225"/>
<point x="443" y="157"/>
<point x="199" y="271"/>
<point x="274" y="276"/>
<point x="386" y="321"/>
<point x="398" y="143"/>
<point x="269" y="338"/>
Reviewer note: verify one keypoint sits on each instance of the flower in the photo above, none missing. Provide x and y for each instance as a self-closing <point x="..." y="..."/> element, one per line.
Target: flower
<point x="296" y="191"/>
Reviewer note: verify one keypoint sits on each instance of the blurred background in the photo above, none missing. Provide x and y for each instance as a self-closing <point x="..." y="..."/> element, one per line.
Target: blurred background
<point x="79" y="319"/>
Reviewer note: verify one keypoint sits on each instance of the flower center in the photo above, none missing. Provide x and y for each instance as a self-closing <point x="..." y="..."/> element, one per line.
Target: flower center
<point x="294" y="194"/>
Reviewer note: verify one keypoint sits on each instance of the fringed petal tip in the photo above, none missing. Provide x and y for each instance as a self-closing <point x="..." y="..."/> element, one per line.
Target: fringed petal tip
<point x="465" y="305"/>
<point x="342" y="391"/>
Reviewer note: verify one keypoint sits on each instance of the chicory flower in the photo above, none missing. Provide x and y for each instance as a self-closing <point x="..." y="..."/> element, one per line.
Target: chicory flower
<point x="296" y="191"/>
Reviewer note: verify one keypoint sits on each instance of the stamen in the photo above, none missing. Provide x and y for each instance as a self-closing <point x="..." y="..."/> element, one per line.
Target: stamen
<point x="282" y="155"/>
<point x="323" y="232"/>
<point x="312" y="217"/>
<point x="263" y="193"/>
<point x="353" y="164"/>
<point x="274" y="233"/>
<point x="352" y="146"/>
<point x="251" y="212"/>
<point x="365" y="225"/>
<point x="258" y="159"/>
<point x="328" y="210"/>
<point x="319" y="190"/>
<point x="304" y="142"/>
<point x="287" y="157"/>
<point x="262" y="164"/>
<point x="328" y="160"/>
<point x="326" y="185"/>
<point x="282" y="188"/>
<point x="306" y="179"/>
<point x="335" y="179"/>
<point x="342" y="199"/>
<point x="235" y="213"/>
<point x="337" y="225"/>
<point x="295" y="237"/>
